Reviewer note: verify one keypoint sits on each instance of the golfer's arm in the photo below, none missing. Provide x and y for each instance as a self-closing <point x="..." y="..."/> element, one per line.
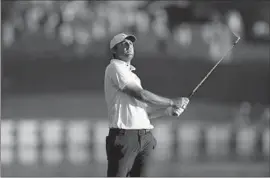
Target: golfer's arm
<point x="147" y="96"/>
<point x="157" y="113"/>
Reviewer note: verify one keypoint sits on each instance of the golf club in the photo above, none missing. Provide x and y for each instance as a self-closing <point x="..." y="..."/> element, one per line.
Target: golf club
<point x="208" y="74"/>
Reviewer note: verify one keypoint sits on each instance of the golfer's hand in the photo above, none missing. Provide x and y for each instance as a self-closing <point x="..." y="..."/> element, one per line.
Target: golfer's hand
<point x="180" y="102"/>
<point x="172" y="111"/>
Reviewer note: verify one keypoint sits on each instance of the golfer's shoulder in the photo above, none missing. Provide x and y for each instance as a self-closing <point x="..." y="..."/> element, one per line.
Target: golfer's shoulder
<point x="115" y="68"/>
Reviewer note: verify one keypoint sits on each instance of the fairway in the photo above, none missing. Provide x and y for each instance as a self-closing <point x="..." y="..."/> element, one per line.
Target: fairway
<point x="92" y="106"/>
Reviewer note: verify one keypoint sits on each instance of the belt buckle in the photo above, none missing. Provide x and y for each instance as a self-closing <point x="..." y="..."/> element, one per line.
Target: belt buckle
<point x="142" y="132"/>
<point x="121" y="132"/>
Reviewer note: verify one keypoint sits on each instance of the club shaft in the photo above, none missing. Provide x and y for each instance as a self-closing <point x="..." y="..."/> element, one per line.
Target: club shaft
<point x="207" y="75"/>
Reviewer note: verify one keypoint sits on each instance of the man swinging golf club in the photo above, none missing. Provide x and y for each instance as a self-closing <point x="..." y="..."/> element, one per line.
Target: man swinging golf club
<point x="130" y="141"/>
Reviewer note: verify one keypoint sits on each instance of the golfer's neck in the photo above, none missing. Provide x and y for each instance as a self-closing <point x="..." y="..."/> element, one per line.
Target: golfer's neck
<point x="124" y="59"/>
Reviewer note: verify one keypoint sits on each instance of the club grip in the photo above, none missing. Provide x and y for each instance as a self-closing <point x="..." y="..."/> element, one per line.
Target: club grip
<point x="177" y="112"/>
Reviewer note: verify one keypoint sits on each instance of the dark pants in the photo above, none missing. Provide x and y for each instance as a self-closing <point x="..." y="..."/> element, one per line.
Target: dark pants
<point x="128" y="152"/>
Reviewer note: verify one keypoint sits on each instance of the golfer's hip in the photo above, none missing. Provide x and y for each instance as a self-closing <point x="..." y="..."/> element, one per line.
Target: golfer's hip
<point x="130" y="124"/>
<point x="117" y="131"/>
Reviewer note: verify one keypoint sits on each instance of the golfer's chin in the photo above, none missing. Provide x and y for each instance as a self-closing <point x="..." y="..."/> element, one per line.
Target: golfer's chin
<point x="129" y="56"/>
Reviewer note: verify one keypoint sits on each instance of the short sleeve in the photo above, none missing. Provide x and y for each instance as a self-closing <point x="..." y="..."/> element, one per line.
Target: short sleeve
<point x="121" y="76"/>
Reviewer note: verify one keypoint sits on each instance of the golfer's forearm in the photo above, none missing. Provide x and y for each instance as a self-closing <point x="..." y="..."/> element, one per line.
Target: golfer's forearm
<point x="157" y="113"/>
<point x="152" y="98"/>
<point x="147" y="96"/>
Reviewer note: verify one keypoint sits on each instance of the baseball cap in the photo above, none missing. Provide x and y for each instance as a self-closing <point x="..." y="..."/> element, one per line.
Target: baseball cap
<point x="121" y="37"/>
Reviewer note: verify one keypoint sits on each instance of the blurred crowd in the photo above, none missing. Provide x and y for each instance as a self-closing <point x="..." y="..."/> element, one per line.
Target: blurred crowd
<point x="83" y="22"/>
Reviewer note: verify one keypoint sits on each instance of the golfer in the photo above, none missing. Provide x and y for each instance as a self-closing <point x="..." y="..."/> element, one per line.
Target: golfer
<point x="130" y="142"/>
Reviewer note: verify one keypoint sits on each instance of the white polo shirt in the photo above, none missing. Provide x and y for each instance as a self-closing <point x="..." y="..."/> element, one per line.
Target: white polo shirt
<point x="124" y="111"/>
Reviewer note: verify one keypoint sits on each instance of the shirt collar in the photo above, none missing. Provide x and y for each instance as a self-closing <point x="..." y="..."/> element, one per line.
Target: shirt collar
<point x="131" y="67"/>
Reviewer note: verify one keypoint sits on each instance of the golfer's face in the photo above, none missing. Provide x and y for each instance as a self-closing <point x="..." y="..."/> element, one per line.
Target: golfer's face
<point x="126" y="48"/>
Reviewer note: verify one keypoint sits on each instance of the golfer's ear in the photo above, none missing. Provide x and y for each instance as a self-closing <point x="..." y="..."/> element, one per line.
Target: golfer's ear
<point x="114" y="49"/>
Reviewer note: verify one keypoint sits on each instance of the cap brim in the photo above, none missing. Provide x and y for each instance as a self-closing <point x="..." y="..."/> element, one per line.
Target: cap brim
<point x="131" y="38"/>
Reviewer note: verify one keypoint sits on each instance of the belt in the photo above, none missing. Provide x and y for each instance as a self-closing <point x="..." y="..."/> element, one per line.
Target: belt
<point x="117" y="131"/>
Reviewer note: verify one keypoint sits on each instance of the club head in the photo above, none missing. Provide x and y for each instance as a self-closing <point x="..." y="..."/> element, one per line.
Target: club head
<point x="238" y="38"/>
